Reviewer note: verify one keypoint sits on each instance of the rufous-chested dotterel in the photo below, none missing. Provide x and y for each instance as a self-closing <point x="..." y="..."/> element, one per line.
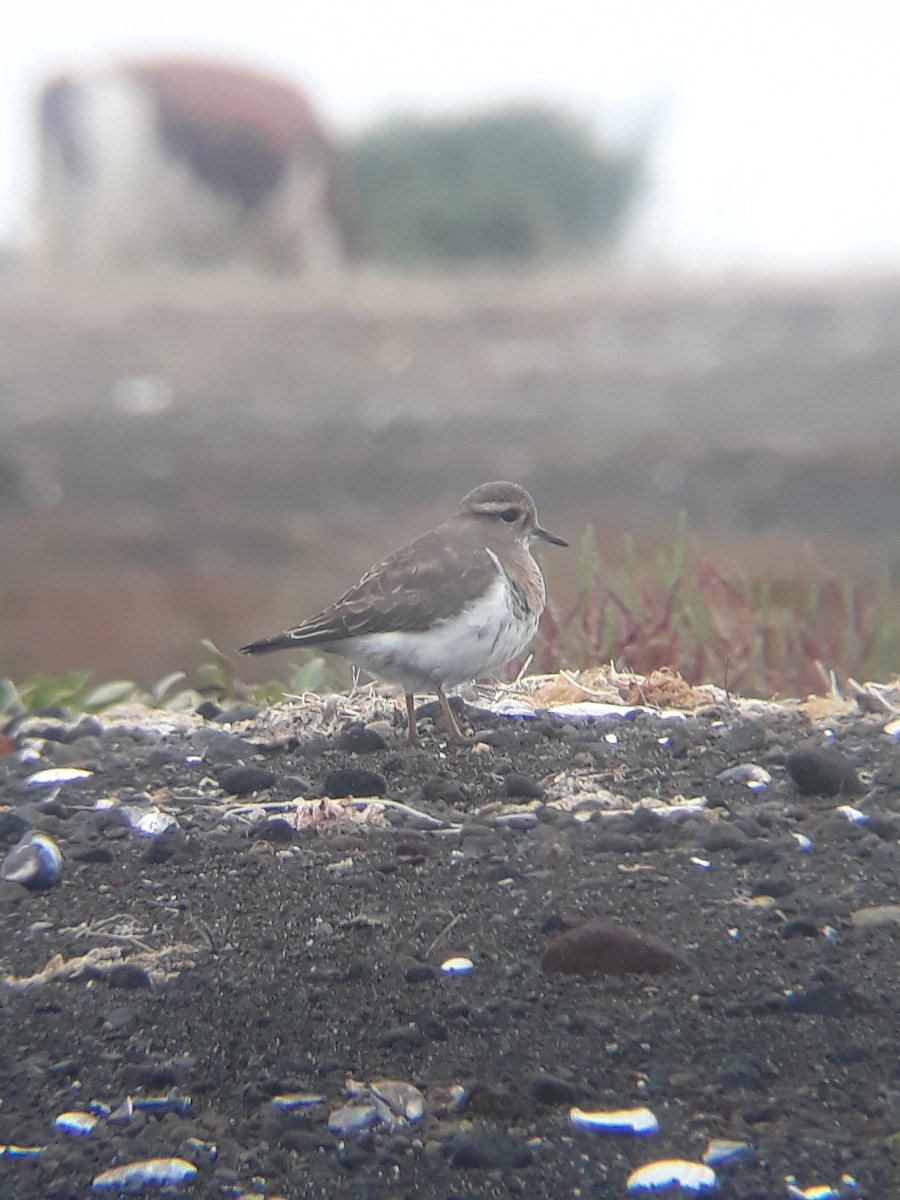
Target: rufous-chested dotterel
<point x="457" y="603"/>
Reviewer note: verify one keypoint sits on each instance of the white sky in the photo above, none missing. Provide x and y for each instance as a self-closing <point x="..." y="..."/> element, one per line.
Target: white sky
<point x="775" y="121"/>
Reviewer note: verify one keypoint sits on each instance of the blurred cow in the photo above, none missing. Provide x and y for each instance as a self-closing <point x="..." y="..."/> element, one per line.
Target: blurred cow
<point x="189" y="163"/>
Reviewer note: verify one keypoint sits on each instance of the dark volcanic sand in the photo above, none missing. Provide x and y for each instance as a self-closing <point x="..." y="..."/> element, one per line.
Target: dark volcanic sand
<point x="293" y="960"/>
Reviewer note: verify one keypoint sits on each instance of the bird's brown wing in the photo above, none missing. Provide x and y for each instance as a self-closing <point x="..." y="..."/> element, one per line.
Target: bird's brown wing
<point x="427" y="581"/>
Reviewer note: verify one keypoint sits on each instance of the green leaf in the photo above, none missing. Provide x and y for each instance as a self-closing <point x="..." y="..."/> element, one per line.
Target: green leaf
<point x="159" y="689"/>
<point x="114" y="692"/>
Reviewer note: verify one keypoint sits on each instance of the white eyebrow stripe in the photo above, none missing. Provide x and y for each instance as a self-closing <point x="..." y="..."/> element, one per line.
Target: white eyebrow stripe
<point x="496" y="561"/>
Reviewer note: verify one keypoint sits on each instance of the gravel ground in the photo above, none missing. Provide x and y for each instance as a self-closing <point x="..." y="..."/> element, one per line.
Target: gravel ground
<point x="259" y="953"/>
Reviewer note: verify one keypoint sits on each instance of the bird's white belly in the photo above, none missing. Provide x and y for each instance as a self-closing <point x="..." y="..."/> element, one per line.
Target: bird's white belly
<point x="481" y="639"/>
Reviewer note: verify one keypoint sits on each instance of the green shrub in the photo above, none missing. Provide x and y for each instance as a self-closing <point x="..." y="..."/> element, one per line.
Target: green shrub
<point x="506" y="186"/>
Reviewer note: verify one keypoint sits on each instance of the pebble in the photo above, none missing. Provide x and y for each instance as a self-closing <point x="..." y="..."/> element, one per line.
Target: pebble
<point x="825" y="772"/>
<point x="419" y="973"/>
<point x="828" y="998"/>
<point x="799" y="927"/>
<point x="87" y="853"/>
<point x="278" y="831"/>
<point x="432" y="1028"/>
<point x="14" y="824"/>
<point x="876" y="915"/>
<point x="243" y="780"/>
<point x="353" y="781"/>
<point x="605" y="947"/>
<point x="241" y="710"/>
<point x="488" y="1151"/>
<point x="776" y="887"/>
<point x="360" y="739"/>
<point x="742" y="1071"/>
<point x="128" y="976"/>
<point x="549" y="1089"/>
<point x="519" y="786"/>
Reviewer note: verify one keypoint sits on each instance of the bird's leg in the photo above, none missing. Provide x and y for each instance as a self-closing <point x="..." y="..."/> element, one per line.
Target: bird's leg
<point x="413" y="733"/>
<point x="454" y="733"/>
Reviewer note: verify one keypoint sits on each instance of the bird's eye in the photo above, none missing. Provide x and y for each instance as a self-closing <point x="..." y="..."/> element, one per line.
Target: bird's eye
<point x="509" y="515"/>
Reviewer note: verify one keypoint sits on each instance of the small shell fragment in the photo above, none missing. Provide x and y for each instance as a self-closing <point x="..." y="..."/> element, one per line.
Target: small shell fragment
<point x="13" y="1151"/>
<point x="637" y="1121"/>
<point x="292" y="1101"/>
<point x="35" y="863"/>
<point x="524" y="819"/>
<point x="457" y="965"/>
<point x="53" y="776"/>
<point x="722" y="1150"/>
<point x="403" y="1099"/>
<point x="352" y="1118"/>
<point x="854" y="815"/>
<point x="444" y="1099"/>
<point x="78" y="1124"/>
<point x="804" y="843"/>
<point x="207" y="1152"/>
<point x="819" y="1191"/>
<point x="173" y="1101"/>
<point x="672" y="1172"/>
<point x="749" y="774"/>
<point x="148" y="822"/>
<point x="149" y="1172"/>
<point x="122" y="1113"/>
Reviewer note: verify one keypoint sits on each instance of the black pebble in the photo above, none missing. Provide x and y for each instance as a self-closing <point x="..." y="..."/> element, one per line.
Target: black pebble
<point x="775" y="887"/>
<point x="129" y="976"/>
<point x="353" y="781"/>
<point x="241" y="710"/>
<point x="358" y="739"/>
<point x="161" y="849"/>
<point x="884" y="826"/>
<point x="420" y="973"/>
<point x="741" y="1072"/>
<point x="13" y="826"/>
<point x="547" y="1089"/>
<point x="826" y="999"/>
<point x="431" y="1027"/>
<point x="278" y="831"/>
<point x="241" y="781"/>
<point x="519" y="786"/>
<point x="825" y="772"/>
<point x="800" y="927"/>
<point x="401" y="1037"/>
<point x="221" y="747"/>
<point x="90" y="854"/>
<point x="488" y="1151"/>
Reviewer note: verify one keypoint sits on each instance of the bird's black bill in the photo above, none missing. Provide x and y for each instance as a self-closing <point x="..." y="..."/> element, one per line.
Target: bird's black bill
<point x="546" y="536"/>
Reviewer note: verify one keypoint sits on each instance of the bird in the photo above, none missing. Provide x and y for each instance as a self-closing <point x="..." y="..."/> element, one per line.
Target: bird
<point x="459" y="602"/>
